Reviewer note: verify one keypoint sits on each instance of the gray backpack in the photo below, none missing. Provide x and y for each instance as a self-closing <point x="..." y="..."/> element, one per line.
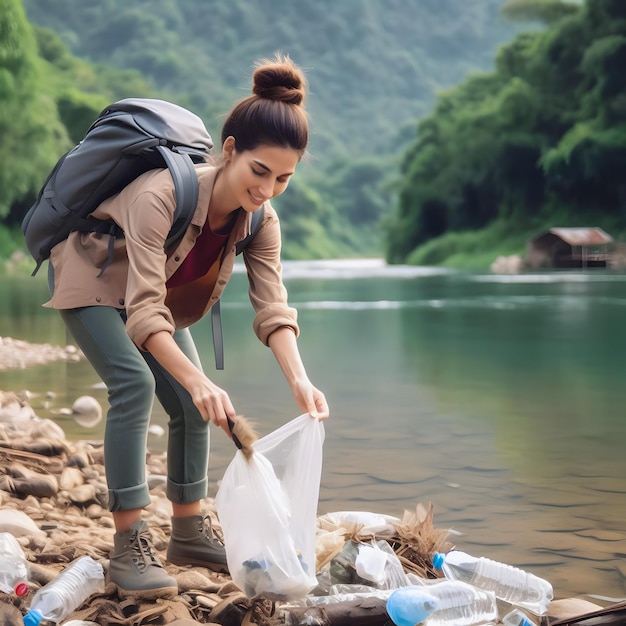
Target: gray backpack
<point x="128" y="138"/>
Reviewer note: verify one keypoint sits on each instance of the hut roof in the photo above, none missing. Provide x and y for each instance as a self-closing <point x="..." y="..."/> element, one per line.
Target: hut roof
<point x="587" y="236"/>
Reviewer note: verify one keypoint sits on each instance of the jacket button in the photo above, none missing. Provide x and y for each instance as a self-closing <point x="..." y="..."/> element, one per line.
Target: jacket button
<point x="121" y="301"/>
<point x="176" y="258"/>
<point x="98" y="299"/>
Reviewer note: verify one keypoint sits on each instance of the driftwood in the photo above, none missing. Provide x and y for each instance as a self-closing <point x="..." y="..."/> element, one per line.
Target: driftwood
<point x="361" y="612"/>
<point x="10" y="453"/>
<point x="611" y="615"/>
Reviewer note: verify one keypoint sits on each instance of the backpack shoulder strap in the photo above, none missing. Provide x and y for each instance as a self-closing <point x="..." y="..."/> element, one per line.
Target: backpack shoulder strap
<point x="185" y="179"/>
<point x="255" y="224"/>
<point x="217" y="335"/>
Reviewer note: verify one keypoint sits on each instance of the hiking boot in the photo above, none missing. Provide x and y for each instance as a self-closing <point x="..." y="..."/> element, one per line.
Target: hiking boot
<point x="190" y="544"/>
<point x="135" y="568"/>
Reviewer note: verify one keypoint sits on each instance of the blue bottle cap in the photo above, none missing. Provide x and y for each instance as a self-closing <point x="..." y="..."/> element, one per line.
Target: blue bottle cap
<point x="33" y="617"/>
<point x="410" y="605"/>
<point x="438" y="559"/>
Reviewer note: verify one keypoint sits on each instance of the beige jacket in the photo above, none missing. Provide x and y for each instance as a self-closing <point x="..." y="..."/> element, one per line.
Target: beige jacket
<point x="135" y="280"/>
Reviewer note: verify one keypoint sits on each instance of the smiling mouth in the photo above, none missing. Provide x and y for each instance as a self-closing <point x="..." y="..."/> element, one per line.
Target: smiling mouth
<point x="255" y="198"/>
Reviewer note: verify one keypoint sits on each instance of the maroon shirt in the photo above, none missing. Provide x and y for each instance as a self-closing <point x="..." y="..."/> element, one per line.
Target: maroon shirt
<point x="200" y="259"/>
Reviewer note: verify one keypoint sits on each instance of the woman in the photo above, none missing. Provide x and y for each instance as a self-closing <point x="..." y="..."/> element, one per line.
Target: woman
<point x="132" y="321"/>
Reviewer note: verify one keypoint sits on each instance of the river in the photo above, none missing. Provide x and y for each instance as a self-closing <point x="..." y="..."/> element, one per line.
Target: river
<point x="498" y="399"/>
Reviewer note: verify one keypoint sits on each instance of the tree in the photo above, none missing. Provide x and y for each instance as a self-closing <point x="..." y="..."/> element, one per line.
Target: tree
<point x="546" y="11"/>
<point x="545" y="132"/>
<point x="31" y="134"/>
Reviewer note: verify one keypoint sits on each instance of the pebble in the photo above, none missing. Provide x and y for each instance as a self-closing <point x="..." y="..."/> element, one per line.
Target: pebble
<point x="87" y="411"/>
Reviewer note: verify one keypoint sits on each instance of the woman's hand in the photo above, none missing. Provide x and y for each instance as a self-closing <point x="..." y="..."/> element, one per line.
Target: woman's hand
<point x="212" y="401"/>
<point x="310" y="399"/>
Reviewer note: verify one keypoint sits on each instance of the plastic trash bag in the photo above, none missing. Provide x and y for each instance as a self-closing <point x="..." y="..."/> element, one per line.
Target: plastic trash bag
<point x="267" y="507"/>
<point x="373" y="564"/>
<point x="361" y="523"/>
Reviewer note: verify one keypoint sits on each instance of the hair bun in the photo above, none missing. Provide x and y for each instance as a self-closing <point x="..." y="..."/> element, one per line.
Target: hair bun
<point x="279" y="79"/>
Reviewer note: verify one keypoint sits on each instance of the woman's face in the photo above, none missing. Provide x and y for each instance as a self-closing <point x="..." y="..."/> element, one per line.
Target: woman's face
<point x="258" y="175"/>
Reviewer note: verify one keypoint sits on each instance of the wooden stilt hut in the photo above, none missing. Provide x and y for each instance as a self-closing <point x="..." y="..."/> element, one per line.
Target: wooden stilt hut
<point x="570" y="248"/>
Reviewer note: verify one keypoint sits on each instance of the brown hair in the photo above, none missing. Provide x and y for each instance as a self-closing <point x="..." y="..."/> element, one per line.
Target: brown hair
<point x="274" y="114"/>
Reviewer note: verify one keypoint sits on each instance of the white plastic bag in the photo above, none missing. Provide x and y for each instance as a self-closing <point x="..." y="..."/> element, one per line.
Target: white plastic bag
<point x="267" y="507"/>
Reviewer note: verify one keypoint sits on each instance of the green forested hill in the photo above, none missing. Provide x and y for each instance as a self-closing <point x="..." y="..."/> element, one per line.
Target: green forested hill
<point x="539" y="142"/>
<point x="374" y="66"/>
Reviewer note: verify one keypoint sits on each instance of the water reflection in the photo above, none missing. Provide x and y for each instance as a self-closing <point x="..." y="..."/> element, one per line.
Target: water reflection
<point x="498" y="398"/>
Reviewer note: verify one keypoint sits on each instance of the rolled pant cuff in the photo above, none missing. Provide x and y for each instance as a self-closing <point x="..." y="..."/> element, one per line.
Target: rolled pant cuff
<point x="129" y="498"/>
<point x="189" y="492"/>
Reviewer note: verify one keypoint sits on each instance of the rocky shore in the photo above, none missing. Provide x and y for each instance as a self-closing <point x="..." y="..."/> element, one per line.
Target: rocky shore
<point x="53" y="500"/>
<point x="15" y="353"/>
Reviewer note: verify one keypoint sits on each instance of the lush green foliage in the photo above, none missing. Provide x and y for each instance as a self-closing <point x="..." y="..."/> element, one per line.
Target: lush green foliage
<point x="542" y="136"/>
<point x="48" y="98"/>
<point x="374" y="68"/>
<point x="29" y="127"/>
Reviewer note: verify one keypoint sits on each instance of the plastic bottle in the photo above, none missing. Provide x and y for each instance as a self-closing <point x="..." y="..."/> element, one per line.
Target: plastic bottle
<point x="509" y="583"/>
<point x="65" y="593"/>
<point x="446" y="603"/>
<point x="517" y="618"/>
<point x="13" y="566"/>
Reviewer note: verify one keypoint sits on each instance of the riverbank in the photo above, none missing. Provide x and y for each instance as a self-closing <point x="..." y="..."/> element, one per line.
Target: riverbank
<point x="53" y="497"/>
<point x="15" y="353"/>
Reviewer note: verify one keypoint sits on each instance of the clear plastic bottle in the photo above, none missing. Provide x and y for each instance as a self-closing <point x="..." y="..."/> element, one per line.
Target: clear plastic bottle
<point x="446" y="603"/>
<point x="13" y="566"/>
<point x="517" y="618"/>
<point x="509" y="583"/>
<point x="65" y="593"/>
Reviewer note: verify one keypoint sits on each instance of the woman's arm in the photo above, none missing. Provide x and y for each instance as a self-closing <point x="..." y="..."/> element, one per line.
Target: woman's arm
<point x="311" y="400"/>
<point x="212" y="401"/>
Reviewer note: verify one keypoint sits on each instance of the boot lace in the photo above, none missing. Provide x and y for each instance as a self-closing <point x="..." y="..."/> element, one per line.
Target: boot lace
<point x="207" y="529"/>
<point x="142" y="551"/>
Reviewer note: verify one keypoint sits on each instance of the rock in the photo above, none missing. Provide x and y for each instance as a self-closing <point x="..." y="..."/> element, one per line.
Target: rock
<point x="83" y="494"/>
<point x="47" y="429"/>
<point x="156" y="430"/>
<point x="71" y="477"/>
<point x="40" y="486"/>
<point x="193" y="579"/>
<point x="513" y="264"/>
<point x="87" y="411"/>
<point x="10" y="615"/>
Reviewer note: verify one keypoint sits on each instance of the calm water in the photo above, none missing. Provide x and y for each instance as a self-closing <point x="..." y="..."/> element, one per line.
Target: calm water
<point x="498" y="399"/>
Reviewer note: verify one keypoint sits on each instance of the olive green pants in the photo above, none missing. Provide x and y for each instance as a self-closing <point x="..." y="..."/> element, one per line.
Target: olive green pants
<point x="132" y="378"/>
